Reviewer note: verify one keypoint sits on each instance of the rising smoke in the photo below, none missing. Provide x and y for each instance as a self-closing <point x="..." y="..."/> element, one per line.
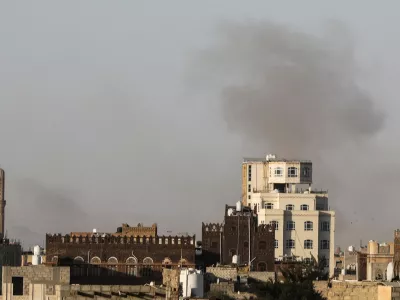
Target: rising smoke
<point x="297" y="95"/>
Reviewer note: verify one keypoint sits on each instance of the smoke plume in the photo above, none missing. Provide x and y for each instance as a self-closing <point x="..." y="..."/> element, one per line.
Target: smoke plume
<point x="297" y="95"/>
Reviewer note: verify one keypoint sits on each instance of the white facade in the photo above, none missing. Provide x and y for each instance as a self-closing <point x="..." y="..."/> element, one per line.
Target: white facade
<point x="280" y="190"/>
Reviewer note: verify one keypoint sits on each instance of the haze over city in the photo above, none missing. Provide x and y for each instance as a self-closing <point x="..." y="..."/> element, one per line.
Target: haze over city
<point x="142" y="112"/>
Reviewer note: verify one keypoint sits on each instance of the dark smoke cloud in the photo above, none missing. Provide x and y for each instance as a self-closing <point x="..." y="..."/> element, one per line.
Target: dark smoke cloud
<point x="297" y="95"/>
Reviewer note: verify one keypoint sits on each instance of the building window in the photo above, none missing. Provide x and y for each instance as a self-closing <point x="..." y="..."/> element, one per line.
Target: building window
<point x="214" y="245"/>
<point x="324" y="244"/>
<point x="274" y="224"/>
<point x="290" y="225"/>
<point x="262" y="267"/>
<point x="262" y="245"/>
<point x="304" y="207"/>
<point x="249" y="197"/>
<point x="307" y="260"/>
<point x="290" y="244"/>
<point x="290" y="207"/>
<point x="276" y="244"/>
<point x="249" y="174"/>
<point x="233" y="228"/>
<point x="306" y="172"/>
<point x="292" y="172"/>
<point x="246" y="244"/>
<point x="278" y="172"/>
<point x="308" y="226"/>
<point x="269" y="206"/>
<point x="325" y="226"/>
<point x="308" y="244"/>
<point x="249" y="188"/>
<point x="18" y="286"/>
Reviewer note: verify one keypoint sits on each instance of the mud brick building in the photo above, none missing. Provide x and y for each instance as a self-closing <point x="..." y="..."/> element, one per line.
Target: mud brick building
<point x="239" y="235"/>
<point x="119" y="255"/>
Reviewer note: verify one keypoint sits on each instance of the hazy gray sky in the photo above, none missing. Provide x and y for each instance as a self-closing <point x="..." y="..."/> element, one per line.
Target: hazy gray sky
<point x="115" y="112"/>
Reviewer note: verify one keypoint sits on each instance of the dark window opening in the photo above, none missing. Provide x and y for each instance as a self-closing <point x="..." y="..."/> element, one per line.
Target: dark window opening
<point x="214" y="245"/>
<point x="246" y="244"/>
<point x="18" y="286"/>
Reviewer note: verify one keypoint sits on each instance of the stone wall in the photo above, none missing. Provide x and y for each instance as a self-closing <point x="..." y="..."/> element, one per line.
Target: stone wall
<point x="357" y="290"/>
<point x="221" y="273"/>
<point x="50" y="276"/>
<point x="222" y="287"/>
<point x="262" y="276"/>
<point x="171" y="278"/>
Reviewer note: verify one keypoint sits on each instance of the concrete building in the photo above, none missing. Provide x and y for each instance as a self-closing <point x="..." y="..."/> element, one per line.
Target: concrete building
<point x="280" y="191"/>
<point x="379" y="255"/>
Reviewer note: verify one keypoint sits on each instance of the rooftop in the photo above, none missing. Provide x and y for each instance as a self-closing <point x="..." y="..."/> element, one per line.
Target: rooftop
<point x="273" y="158"/>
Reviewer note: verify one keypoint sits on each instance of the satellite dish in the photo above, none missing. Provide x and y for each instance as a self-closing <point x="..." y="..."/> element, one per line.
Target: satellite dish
<point x="389" y="272"/>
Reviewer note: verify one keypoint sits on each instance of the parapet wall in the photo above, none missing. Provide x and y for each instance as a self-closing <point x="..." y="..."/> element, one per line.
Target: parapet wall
<point x="349" y="290"/>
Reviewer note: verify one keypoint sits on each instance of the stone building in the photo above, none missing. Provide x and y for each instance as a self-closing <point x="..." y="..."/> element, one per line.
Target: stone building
<point x="379" y="255"/>
<point x="280" y="191"/>
<point x="122" y="257"/>
<point x="239" y="235"/>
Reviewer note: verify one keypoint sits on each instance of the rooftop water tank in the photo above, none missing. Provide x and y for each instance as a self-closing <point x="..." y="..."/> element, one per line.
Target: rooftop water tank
<point x="94" y="230"/>
<point x="36" y="250"/>
<point x="239" y="206"/>
<point x="351" y="248"/>
<point x="236" y="259"/>
<point x="230" y="212"/>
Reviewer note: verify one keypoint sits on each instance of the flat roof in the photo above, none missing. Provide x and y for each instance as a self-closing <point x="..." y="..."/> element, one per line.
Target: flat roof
<point x="264" y="159"/>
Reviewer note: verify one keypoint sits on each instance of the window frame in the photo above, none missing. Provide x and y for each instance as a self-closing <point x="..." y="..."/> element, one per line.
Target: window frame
<point x="325" y="243"/>
<point x="293" y="175"/>
<point x="274" y="224"/>
<point x="249" y="173"/>
<point x="276" y="244"/>
<point x="280" y="173"/>
<point x="290" y="228"/>
<point x="304" y="206"/>
<point x="326" y="228"/>
<point x="289" y="205"/>
<point x="269" y="204"/>
<point x="308" y="244"/>
<point x="307" y="226"/>
<point x="290" y="244"/>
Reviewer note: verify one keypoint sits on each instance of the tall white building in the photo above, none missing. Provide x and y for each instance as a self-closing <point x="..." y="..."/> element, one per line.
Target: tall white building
<point x="281" y="192"/>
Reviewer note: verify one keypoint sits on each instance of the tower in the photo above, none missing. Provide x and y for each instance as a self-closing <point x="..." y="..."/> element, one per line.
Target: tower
<point x="2" y="202"/>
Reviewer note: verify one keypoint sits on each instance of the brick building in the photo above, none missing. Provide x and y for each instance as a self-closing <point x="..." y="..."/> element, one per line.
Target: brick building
<point x="119" y="255"/>
<point x="239" y="235"/>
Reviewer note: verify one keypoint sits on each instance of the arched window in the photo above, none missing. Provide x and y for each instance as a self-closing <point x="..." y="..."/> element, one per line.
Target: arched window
<point x="262" y="245"/>
<point x="308" y="244"/>
<point x="262" y="267"/>
<point x="112" y="265"/>
<point x="308" y="226"/>
<point x="304" y="207"/>
<point x="274" y="224"/>
<point x="79" y="260"/>
<point x="131" y="266"/>
<point x="269" y="206"/>
<point x="148" y="261"/>
<point x="292" y="172"/>
<point x="278" y="172"/>
<point x="183" y="262"/>
<point x="290" y="207"/>
<point x="95" y="260"/>
<point x="147" y="268"/>
<point x="112" y="260"/>
<point x="167" y="261"/>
